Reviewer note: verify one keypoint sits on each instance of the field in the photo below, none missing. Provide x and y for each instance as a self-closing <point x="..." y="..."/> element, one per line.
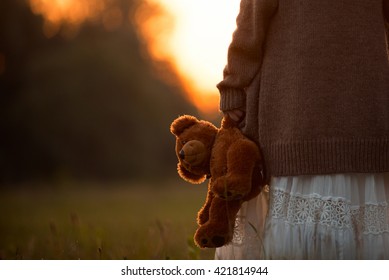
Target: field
<point x="96" y="221"/>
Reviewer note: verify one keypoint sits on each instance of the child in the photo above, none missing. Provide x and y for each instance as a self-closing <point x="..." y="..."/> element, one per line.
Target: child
<point x="309" y="81"/>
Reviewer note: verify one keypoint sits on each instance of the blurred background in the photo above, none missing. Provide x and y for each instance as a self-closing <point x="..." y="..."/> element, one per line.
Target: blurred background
<point x="88" y="89"/>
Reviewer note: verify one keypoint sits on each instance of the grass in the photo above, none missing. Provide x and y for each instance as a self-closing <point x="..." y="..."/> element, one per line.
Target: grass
<point x="92" y="221"/>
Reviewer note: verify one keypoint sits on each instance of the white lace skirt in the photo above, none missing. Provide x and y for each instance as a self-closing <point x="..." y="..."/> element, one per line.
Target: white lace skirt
<point x="342" y="216"/>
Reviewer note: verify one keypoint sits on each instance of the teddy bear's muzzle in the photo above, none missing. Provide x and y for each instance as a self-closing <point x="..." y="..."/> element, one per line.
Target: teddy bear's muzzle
<point x="193" y="153"/>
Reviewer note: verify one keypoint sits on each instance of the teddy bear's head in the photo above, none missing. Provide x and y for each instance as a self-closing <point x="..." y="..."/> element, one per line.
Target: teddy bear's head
<point x="194" y="142"/>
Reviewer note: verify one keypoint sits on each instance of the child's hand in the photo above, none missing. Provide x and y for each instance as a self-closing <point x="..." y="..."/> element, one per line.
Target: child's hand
<point x="237" y="115"/>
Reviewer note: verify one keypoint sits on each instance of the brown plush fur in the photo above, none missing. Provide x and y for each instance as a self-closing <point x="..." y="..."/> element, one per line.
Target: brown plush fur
<point x="233" y="164"/>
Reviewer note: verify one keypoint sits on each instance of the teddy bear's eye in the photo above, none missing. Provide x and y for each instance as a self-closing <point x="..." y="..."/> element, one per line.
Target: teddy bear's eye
<point x="183" y="142"/>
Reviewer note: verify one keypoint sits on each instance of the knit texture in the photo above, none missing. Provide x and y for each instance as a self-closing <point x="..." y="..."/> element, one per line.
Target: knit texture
<point x="313" y="77"/>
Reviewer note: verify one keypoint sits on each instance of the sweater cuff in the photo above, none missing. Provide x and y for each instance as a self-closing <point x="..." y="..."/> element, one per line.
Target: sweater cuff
<point x="232" y="98"/>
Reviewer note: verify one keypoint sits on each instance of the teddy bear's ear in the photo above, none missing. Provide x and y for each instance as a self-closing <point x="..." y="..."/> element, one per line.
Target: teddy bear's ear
<point x="182" y="123"/>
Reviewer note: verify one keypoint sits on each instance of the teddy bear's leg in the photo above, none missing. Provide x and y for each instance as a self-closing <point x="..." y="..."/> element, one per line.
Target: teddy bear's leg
<point x="203" y="214"/>
<point x="242" y="156"/>
<point x="219" y="229"/>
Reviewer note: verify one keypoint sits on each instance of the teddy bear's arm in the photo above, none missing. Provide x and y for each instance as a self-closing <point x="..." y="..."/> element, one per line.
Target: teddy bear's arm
<point x="219" y="228"/>
<point x="242" y="156"/>
<point x="203" y="214"/>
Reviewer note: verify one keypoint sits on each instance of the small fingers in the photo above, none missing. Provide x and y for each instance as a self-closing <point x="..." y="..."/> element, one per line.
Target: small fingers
<point x="236" y="114"/>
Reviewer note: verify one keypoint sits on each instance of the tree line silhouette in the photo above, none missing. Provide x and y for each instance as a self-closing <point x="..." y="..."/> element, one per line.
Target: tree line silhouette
<point x="85" y="108"/>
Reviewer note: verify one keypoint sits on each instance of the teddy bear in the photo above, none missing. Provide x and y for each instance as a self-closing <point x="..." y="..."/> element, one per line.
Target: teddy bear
<point x="231" y="162"/>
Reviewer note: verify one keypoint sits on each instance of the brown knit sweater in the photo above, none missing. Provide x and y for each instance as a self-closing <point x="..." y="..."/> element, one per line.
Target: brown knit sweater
<point x="313" y="76"/>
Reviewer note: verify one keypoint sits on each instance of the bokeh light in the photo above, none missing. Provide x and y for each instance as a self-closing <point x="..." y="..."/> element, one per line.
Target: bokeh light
<point x="193" y="36"/>
<point x="190" y="36"/>
<point x="70" y="13"/>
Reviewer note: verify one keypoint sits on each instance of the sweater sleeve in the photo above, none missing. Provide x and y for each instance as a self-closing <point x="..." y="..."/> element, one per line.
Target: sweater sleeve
<point x="245" y="51"/>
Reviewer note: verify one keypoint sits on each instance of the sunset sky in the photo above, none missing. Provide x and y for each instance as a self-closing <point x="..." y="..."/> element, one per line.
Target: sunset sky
<point x="192" y="36"/>
<point x="196" y="44"/>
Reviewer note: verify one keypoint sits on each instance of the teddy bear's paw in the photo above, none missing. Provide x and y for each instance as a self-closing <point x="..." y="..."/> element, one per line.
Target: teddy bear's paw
<point x="215" y="241"/>
<point x="208" y="236"/>
<point x="229" y="189"/>
<point x="204" y="241"/>
<point x="230" y="195"/>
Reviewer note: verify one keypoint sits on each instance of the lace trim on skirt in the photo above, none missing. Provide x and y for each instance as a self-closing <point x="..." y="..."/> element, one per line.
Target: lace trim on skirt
<point x="341" y="216"/>
<point x="332" y="212"/>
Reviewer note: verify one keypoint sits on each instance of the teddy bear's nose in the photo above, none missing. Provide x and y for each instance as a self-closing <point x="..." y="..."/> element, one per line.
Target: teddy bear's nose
<point x="182" y="154"/>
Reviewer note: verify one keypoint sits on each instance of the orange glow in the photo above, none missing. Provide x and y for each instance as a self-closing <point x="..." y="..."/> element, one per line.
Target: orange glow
<point x="190" y="37"/>
<point x="193" y="36"/>
<point x="69" y="12"/>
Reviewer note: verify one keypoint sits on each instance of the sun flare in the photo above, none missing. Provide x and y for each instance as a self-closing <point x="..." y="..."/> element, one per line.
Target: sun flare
<point x="194" y="40"/>
<point x="191" y="36"/>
